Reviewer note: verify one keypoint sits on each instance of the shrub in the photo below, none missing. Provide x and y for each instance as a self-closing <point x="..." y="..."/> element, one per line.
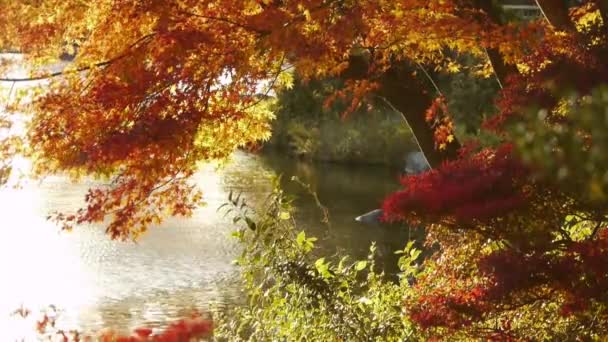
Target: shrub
<point x="295" y="295"/>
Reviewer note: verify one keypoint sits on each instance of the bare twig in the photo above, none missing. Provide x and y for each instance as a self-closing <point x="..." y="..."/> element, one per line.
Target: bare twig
<point x="314" y="195"/>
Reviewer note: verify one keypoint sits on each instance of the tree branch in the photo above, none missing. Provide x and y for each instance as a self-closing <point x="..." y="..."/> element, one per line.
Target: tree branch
<point x="500" y="68"/>
<point x="81" y="69"/>
<point x="410" y="97"/>
<point x="58" y="73"/>
<point x="224" y="20"/>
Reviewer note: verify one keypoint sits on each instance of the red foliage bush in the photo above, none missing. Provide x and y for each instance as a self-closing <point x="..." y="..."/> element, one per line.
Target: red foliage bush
<point x="451" y="310"/>
<point x="479" y="188"/>
<point x="578" y="274"/>
<point x="183" y="330"/>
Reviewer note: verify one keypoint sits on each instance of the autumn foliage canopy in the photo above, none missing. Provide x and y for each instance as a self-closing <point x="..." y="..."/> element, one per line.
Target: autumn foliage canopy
<point x="156" y="87"/>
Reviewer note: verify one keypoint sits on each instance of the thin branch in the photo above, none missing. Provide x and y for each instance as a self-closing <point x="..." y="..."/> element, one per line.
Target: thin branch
<point x="81" y="69"/>
<point x="59" y="73"/>
<point x="148" y="193"/>
<point x="11" y="52"/>
<point x="8" y="98"/>
<point x="270" y="86"/>
<point x="315" y="196"/>
<point x="295" y="19"/>
<point x="224" y="20"/>
<point x="428" y="76"/>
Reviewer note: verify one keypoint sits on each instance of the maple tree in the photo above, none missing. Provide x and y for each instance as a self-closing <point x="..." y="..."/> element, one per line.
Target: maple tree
<point x="155" y="87"/>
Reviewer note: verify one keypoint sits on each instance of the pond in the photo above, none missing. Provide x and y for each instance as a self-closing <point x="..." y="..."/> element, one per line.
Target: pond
<point x="182" y="265"/>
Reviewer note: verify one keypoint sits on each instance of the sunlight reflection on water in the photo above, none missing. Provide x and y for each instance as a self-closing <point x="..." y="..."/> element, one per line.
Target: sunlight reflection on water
<point x="184" y="264"/>
<point x="180" y="266"/>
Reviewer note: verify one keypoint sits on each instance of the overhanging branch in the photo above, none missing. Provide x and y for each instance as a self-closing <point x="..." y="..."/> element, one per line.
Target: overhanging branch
<point x="57" y="73"/>
<point x="81" y="69"/>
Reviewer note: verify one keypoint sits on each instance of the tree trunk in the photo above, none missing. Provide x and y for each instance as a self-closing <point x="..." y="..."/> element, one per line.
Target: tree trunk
<point x="556" y="13"/>
<point x="409" y="95"/>
<point x="501" y="69"/>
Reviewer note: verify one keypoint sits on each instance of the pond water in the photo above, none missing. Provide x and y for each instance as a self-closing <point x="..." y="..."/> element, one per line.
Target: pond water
<point x="180" y="266"/>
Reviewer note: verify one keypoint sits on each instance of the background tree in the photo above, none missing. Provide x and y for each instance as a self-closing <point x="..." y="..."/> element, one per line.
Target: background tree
<point x="306" y="127"/>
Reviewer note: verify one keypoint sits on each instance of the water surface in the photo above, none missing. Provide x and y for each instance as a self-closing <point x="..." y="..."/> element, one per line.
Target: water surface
<point x="180" y="266"/>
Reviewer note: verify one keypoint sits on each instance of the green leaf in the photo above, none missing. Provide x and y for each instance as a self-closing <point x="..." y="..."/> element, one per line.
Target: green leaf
<point x="301" y="238"/>
<point x="414" y="254"/>
<point x="359" y="266"/>
<point x="323" y="268"/>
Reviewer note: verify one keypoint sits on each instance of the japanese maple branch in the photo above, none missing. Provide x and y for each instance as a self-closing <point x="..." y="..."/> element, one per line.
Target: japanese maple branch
<point x="295" y="19"/>
<point x="149" y="193"/>
<point x="81" y="69"/>
<point x="224" y="20"/>
<point x="270" y="86"/>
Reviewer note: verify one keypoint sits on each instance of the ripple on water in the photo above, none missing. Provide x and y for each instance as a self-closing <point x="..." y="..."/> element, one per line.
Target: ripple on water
<point x="184" y="264"/>
<point x="180" y="266"/>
